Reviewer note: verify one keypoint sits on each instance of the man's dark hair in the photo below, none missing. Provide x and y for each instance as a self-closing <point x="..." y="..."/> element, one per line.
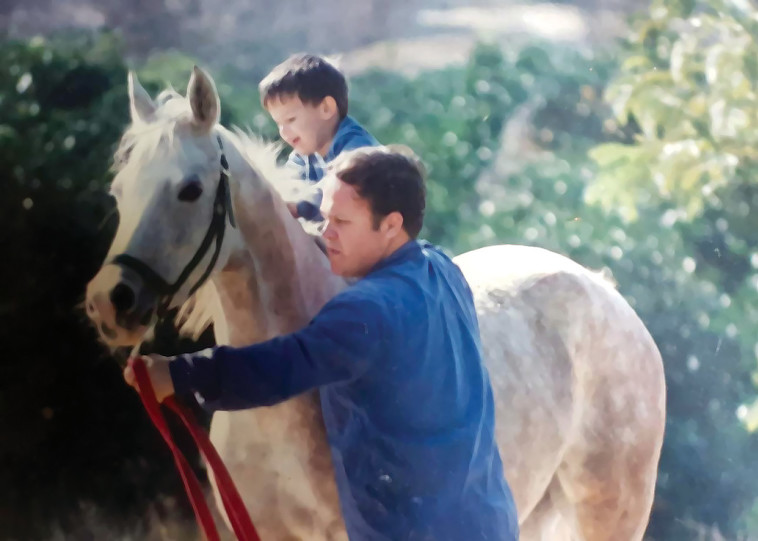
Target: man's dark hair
<point x="390" y="178"/>
<point x="309" y="77"/>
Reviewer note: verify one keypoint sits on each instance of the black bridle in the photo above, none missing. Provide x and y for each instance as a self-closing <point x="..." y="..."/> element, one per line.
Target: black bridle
<point x="222" y="206"/>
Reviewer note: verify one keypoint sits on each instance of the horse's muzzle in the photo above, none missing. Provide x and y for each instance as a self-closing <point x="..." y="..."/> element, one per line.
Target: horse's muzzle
<point x="119" y="305"/>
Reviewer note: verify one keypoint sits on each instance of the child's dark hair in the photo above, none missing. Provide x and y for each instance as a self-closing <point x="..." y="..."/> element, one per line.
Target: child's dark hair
<point x="309" y="77"/>
<point x="390" y="178"/>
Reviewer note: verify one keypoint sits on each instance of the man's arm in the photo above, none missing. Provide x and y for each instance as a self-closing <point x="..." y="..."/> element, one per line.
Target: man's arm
<point x="341" y="342"/>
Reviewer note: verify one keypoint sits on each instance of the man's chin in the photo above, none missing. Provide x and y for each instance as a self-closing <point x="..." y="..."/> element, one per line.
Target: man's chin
<point x="339" y="270"/>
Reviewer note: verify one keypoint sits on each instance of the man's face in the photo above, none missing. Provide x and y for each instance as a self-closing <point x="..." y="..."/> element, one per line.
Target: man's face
<point x="353" y="245"/>
<point x="306" y="128"/>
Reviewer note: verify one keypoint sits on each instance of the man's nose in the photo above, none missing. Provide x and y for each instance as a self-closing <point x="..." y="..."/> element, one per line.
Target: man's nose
<point x="328" y="231"/>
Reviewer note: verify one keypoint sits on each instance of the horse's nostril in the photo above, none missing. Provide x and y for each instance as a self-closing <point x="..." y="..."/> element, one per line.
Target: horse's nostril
<point x="122" y="297"/>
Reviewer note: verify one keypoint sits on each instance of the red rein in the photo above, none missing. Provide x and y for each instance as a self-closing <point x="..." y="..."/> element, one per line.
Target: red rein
<point x="235" y="509"/>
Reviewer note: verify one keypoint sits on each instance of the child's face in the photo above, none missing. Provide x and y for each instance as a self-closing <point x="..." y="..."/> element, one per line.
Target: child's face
<point x="306" y="128"/>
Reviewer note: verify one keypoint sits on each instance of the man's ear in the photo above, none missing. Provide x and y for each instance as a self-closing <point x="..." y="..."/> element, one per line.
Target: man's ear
<point x="328" y="107"/>
<point x="392" y="224"/>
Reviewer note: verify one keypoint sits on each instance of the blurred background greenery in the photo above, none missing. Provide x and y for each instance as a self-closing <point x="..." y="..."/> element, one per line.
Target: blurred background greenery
<point x="630" y="148"/>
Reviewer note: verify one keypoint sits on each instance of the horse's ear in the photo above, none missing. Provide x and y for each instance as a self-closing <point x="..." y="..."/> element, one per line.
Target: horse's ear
<point x="204" y="101"/>
<point x="141" y="104"/>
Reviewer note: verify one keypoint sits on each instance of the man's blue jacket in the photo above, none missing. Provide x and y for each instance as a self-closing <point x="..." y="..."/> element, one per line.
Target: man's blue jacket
<point x="406" y="400"/>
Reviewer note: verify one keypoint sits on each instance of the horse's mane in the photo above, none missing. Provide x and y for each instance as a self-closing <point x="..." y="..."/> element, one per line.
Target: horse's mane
<point x="142" y="141"/>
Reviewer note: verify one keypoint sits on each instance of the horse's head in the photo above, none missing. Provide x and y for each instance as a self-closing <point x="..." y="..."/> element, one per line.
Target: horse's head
<point x="172" y="193"/>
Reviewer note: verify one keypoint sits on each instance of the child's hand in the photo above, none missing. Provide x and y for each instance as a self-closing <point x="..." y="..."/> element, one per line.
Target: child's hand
<point x="292" y="207"/>
<point x="160" y="377"/>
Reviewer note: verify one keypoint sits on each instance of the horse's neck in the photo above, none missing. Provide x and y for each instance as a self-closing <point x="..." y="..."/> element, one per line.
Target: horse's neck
<point x="277" y="278"/>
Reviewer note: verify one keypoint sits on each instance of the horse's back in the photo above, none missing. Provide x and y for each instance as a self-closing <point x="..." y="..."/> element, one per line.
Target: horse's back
<point x="578" y="385"/>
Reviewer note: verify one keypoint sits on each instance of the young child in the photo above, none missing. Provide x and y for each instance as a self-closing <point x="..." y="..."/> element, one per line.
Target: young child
<point x="307" y="98"/>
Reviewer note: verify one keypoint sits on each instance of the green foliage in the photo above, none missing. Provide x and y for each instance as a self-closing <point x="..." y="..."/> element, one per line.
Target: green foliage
<point x="686" y="88"/>
<point x="453" y="118"/>
<point x="688" y="81"/>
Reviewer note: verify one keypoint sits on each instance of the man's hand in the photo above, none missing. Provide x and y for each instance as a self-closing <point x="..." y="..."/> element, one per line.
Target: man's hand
<point x="157" y="370"/>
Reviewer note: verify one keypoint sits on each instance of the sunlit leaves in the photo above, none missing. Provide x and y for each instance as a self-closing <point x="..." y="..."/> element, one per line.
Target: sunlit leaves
<point x="689" y="84"/>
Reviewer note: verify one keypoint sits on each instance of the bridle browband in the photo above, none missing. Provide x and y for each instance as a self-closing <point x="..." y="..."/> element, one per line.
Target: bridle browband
<point x="222" y="206"/>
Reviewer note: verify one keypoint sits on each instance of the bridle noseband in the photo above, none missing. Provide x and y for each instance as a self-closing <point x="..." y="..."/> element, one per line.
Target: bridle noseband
<point x="222" y="206"/>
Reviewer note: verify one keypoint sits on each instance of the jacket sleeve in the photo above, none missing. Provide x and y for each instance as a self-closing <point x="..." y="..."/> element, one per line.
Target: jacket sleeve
<point x="309" y="207"/>
<point x="339" y="345"/>
<point x="296" y="165"/>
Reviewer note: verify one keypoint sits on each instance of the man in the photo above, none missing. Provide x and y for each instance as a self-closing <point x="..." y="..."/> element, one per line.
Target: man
<point x="397" y="358"/>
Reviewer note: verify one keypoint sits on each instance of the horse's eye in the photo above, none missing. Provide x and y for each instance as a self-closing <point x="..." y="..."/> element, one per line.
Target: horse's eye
<point x="191" y="190"/>
<point x="122" y="156"/>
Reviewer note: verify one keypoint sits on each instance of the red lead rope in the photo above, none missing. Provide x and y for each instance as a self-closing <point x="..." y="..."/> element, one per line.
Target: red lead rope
<point x="235" y="509"/>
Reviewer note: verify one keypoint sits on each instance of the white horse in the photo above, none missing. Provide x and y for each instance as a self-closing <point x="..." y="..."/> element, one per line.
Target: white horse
<point x="578" y="381"/>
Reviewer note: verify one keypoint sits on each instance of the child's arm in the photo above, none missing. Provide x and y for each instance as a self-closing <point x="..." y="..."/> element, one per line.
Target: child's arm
<point x="297" y="165"/>
<point x="309" y="204"/>
<point x="309" y="207"/>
